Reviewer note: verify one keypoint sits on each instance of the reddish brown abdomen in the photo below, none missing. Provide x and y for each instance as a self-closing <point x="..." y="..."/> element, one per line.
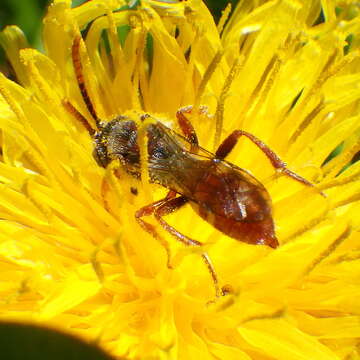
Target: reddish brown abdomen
<point x="237" y="204"/>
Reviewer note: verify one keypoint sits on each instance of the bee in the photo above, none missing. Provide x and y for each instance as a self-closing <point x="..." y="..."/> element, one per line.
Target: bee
<point x="223" y="194"/>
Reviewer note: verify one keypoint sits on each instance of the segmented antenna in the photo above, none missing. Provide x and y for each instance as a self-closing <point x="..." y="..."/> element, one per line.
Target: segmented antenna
<point x="72" y="110"/>
<point x="78" y="68"/>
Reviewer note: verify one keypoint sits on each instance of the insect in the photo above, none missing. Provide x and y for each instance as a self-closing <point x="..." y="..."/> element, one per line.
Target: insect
<point x="226" y="196"/>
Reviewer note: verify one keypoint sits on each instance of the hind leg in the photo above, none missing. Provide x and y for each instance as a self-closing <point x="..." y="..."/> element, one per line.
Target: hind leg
<point x="229" y="143"/>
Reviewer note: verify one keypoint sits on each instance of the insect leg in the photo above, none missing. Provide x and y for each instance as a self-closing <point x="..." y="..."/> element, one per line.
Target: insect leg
<point x="169" y="206"/>
<point x="166" y="208"/>
<point x="228" y="144"/>
<point x="105" y="188"/>
<point x="149" y="210"/>
<point x="186" y="126"/>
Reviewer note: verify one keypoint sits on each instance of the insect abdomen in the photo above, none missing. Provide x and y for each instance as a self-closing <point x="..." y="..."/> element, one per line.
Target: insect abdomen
<point x="236" y="206"/>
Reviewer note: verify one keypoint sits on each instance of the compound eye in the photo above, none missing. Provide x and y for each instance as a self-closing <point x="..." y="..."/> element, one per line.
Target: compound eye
<point x="100" y="157"/>
<point x="127" y="138"/>
<point x="161" y="153"/>
<point x="124" y="133"/>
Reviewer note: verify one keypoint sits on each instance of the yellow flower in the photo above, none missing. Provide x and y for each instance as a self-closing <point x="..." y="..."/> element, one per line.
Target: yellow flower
<point x="73" y="256"/>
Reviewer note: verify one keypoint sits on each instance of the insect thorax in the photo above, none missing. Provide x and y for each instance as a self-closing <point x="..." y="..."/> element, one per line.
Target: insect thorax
<point x="169" y="163"/>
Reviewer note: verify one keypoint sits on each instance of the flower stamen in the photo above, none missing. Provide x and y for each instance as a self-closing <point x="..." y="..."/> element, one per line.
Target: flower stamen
<point x="224" y="17"/>
<point x="220" y="108"/>
<point x="329" y="250"/>
<point x="212" y="67"/>
<point x="343" y="159"/>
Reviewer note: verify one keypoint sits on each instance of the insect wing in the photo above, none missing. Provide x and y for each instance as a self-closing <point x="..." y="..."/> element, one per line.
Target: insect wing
<point x="186" y="144"/>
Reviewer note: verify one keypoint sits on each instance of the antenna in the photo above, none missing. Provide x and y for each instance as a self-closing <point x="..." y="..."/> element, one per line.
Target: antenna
<point x="72" y="110"/>
<point x="78" y="68"/>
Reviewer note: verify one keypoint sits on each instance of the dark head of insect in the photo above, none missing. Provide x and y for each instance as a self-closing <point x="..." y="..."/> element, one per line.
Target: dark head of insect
<point x="117" y="139"/>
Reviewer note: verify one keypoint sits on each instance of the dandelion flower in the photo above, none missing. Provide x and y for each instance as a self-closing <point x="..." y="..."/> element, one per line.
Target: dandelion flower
<point x="72" y="255"/>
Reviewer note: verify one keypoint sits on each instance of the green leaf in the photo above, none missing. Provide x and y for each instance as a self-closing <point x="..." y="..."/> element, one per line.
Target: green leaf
<point x="30" y="342"/>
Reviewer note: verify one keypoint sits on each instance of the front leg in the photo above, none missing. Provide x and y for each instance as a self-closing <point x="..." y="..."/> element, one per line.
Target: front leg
<point x="228" y="144"/>
<point x="186" y="126"/>
<point x="149" y="228"/>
